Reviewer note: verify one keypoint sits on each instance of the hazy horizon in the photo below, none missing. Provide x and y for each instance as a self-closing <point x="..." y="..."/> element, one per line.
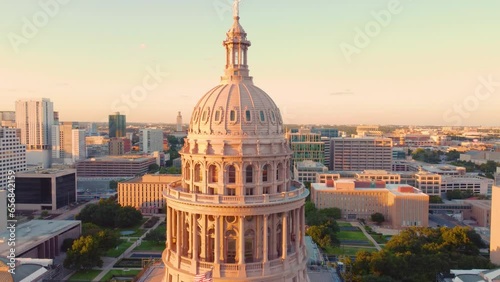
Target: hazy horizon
<point x="425" y="62"/>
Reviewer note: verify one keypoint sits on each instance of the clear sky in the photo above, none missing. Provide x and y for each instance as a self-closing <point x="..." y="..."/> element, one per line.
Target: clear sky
<point x="423" y="65"/>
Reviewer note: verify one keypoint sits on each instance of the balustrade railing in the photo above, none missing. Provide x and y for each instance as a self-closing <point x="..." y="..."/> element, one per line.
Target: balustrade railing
<point x="174" y="191"/>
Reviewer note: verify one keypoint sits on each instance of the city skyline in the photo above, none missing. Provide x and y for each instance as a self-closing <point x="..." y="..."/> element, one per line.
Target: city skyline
<point x="423" y="59"/>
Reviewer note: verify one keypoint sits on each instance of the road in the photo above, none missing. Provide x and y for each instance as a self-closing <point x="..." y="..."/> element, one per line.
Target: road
<point x="436" y="220"/>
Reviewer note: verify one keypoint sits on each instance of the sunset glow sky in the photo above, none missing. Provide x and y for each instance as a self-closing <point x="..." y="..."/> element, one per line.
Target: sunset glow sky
<point x="427" y="58"/>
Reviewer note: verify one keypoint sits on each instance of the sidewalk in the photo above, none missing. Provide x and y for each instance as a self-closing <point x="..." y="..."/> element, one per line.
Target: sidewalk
<point x="357" y="224"/>
<point x="110" y="262"/>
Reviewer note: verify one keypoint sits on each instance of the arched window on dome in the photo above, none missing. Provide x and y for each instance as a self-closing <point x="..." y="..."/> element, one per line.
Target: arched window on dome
<point x="279" y="172"/>
<point x="249" y="245"/>
<point x="231" y="174"/>
<point x="262" y="116"/>
<point x="266" y="172"/>
<point x="273" y="116"/>
<point x="213" y="174"/>
<point x="198" y="177"/>
<point x="249" y="174"/>
<point x="248" y="116"/>
<point x="230" y="246"/>
<point x="232" y="115"/>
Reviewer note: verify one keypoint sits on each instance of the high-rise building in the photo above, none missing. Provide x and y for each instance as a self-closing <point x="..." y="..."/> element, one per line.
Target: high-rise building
<point x="79" y="149"/>
<point x="92" y="129"/>
<point x="306" y="146"/>
<point x="62" y="141"/>
<point x="495" y="225"/>
<point x="236" y="213"/>
<point x="179" y="122"/>
<point x="117" y="125"/>
<point x="150" y="140"/>
<point x="358" y="154"/>
<point x="119" y="146"/>
<point x="35" y="119"/>
<point x="3" y="210"/>
<point x="12" y="154"/>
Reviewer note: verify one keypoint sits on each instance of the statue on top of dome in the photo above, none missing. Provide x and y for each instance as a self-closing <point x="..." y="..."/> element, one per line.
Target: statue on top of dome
<point x="236" y="8"/>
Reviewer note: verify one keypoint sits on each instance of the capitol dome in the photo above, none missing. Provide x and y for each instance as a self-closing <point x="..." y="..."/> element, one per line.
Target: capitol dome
<point x="236" y="214"/>
<point x="236" y="107"/>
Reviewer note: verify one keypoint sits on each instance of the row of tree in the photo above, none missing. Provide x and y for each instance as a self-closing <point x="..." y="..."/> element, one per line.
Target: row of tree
<point x="109" y="214"/>
<point x="418" y="254"/>
<point x="86" y="251"/>
<point x="322" y="225"/>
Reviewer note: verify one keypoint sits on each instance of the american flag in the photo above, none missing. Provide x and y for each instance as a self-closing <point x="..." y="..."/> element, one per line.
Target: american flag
<point x="204" y="277"/>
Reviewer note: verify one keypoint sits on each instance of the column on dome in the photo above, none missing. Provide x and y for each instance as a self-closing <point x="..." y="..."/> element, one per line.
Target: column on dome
<point x="194" y="231"/>
<point x="203" y="237"/>
<point x="178" y="236"/>
<point x="284" y="233"/>
<point x="265" y="238"/>
<point x="296" y="229"/>
<point x="217" y="248"/>
<point x="241" y="240"/>
<point x="169" y="228"/>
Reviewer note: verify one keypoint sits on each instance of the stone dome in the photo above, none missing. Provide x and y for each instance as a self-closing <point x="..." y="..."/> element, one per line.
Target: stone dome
<point x="238" y="108"/>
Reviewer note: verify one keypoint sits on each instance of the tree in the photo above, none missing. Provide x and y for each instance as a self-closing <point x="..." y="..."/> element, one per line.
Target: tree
<point x="452" y="155"/>
<point x="173" y="170"/>
<point x="331" y="214"/>
<point x="153" y="168"/>
<point x="84" y="254"/>
<point x="319" y="234"/>
<point x="377" y="218"/>
<point x="433" y="199"/>
<point x="127" y="217"/>
<point x="67" y="243"/>
<point x="90" y="229"/>
<point x="108" y="239"/>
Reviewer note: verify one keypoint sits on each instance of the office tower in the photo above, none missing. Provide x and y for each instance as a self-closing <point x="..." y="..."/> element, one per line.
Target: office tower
<point x="12" y="154"/>
<point x="358" y="154"/>
<point x="119" y="146"/>
<point x="78" y="147"/>
<point x="3" y="211"/>
<point x="92" y="129"/>
<point x="306" y="146"/>
<point x="150" y="140"/>
<point x="179" y="122"/>
<point x="35" y="119"/>
<point x="62" y="141"/>
<point x="236" y="213"/>
<point x="117" y="125"/>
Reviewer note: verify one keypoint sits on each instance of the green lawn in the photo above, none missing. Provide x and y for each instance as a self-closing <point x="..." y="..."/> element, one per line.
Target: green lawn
<point x="351" y="235"/>
<point x="347" y="250"/>
<point x="119" y="272"/>
<point x="150" y="246"/>
<point x="85" y="275"/>
<point x="344" y="224"/>
<point x="116" y="252"/>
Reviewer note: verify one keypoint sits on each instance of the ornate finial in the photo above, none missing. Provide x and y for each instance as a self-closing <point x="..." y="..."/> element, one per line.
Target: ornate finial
<point x="236" y="8"/>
